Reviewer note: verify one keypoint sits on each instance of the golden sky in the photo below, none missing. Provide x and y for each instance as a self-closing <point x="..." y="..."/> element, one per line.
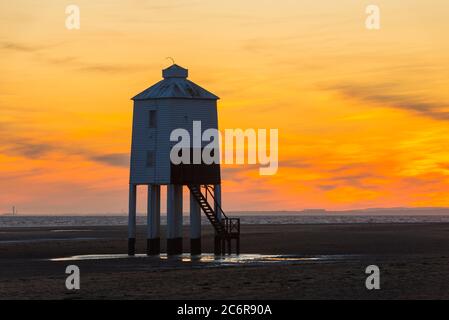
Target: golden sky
<point x="363" y="115"/>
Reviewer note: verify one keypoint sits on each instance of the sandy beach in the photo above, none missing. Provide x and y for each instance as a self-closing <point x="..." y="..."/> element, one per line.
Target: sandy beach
<point x="413" y="259"/>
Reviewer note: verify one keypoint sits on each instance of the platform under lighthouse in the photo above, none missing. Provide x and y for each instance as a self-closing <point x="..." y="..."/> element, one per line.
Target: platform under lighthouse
<point x="171" y="104"/>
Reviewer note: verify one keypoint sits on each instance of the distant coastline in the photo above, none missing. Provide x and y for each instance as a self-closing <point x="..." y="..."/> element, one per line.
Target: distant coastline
<point x="397" y="211"/>
<point x="275" y="218"/>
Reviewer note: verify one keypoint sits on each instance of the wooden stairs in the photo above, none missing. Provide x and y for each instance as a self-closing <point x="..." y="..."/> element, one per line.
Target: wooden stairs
<point x="226" y="229"/>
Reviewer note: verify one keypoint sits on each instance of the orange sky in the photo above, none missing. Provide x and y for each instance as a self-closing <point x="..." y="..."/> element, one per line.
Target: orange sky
<point x="362" y="115"/>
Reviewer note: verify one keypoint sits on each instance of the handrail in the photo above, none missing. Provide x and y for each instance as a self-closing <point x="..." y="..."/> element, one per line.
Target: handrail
<point x="232" y="224"/>
<point x="215" y="201"/>
<point x="230" y="227"/>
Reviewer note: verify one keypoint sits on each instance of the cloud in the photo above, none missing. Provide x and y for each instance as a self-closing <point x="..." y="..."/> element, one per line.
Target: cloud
<point x="8" y="176"/>
<point x="68" y="61"/>
<point x="15" y="46"/>
<point x="327" y="187"/>
<point x="108" y="68"/>
<point x="29" y="150"/>
<point x="389" y="96"/>
<point x="353" y="180"/>
<point x="357" y="175"/>
<point x="294" y="163"/>
<point x="22" y="147"/>
<point x="113" y="159"/>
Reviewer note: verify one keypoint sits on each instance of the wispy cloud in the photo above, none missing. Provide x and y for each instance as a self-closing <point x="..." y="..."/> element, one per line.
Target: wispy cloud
<point x="16" y="46"/>
<point x="327" y="187"/>
<point x="29" y="150"/>
<point x="113" y="159"/>
<point x="389" y="96"/>
<point x="75" y="63"/>
<point x="107" y="68"/>
<point x="15" y="145"/>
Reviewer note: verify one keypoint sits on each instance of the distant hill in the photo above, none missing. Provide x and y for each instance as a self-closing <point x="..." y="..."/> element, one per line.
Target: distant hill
<point x="369" y="211"/>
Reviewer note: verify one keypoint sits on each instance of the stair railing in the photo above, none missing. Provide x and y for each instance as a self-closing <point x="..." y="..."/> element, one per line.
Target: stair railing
<point x="215" y="201"/>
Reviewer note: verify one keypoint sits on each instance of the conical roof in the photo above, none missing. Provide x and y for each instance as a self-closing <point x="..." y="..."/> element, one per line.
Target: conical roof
<point x="175" y="85"/>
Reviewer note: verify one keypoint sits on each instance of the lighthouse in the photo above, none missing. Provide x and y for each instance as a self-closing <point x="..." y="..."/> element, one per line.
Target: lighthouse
<point x="172" y="104"/>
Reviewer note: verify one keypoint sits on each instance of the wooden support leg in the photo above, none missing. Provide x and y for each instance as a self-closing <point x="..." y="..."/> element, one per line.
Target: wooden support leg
<point x="154" y="220"/>
<point x="223" y="246"/>
<point x="132" y="220"/>
<point x="217" y="246"/>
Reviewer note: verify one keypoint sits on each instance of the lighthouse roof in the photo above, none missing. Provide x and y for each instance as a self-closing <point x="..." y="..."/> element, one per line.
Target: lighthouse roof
<point x="175" y="85"/>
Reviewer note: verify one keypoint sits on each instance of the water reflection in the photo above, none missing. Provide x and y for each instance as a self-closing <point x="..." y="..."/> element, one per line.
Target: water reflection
<point x="243" y="259"/>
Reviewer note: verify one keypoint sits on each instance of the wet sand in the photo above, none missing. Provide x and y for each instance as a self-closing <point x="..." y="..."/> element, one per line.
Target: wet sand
<point x="413" y="259"/>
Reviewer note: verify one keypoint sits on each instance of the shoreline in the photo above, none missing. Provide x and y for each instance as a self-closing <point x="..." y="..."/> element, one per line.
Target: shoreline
<point x="269" y="220"/>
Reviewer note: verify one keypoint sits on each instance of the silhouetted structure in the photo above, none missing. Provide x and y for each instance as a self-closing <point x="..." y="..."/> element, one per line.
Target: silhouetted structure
<point x="173" y="103"/>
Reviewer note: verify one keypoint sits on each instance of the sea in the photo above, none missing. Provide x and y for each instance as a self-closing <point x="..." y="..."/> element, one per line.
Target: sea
<point x="119" y="220"/>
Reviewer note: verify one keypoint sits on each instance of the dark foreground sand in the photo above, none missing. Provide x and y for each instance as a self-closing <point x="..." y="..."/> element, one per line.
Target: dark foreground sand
<point x="413" y="258"/>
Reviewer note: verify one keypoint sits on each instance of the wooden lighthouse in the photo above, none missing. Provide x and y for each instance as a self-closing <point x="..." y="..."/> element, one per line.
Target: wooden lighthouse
<point x="176" y="103"/>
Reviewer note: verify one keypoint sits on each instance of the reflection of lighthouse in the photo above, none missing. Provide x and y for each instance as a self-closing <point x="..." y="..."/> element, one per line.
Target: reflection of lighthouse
<point x="175" y="103"/>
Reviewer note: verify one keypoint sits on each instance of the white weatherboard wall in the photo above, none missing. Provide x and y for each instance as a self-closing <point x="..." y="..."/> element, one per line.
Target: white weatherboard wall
<point x="146" y="139"/>
<point x="184" y="113"/>
<point x="171" y="114"/>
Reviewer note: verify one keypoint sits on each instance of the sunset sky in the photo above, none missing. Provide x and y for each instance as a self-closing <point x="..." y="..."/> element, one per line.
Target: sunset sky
<point x="363" y="115"/>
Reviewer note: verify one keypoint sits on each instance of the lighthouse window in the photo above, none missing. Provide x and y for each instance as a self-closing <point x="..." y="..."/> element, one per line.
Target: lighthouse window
<point x="150" y="158"/>
<point x="152" y="119"/>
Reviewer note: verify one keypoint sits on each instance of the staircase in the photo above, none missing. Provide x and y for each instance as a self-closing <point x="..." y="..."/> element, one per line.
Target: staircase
<point x="225" y="228"/>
